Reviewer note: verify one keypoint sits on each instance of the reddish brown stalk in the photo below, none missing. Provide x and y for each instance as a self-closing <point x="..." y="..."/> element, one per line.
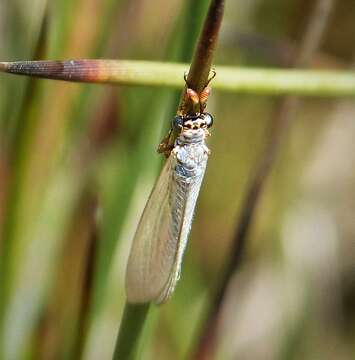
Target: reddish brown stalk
<point x="282" y="119"/>
<point x="202" y="60"/>
<point x="200" y="68"/>
<point x="69" y="70"/>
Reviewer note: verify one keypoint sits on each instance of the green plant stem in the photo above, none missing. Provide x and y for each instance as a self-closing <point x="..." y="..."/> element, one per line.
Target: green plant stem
<point x="163" y="74"/>
<point x="129" y="334"/>
<point x="180" y="49"/>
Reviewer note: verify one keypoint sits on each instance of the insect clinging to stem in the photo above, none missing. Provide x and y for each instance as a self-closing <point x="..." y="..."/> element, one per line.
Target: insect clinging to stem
<point x="160" y="240"/>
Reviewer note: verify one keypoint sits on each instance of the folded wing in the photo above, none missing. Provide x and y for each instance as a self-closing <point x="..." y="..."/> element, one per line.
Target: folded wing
<point x="153" y="251"/>
<point x="160" y="240"/>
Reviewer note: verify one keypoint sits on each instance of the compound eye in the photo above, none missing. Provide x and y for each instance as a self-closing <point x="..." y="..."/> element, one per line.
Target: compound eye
<point x="208" y="119"/>
<point x="178" y="123"/>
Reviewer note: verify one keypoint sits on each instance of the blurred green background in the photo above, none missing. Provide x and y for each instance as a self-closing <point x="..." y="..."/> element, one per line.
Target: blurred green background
<point x="77" y="163"/>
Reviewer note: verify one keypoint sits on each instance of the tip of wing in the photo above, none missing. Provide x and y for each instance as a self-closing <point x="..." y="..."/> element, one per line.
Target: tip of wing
<point x="138" y="293"/>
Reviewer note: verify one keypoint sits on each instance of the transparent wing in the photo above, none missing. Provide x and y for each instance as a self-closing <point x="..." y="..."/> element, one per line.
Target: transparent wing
<point x="152" y="255"/>
<point x="160" y="240"/>
<point x="183" y="201"/>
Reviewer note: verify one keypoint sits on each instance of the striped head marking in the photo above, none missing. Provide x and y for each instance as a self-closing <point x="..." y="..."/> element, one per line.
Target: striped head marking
<point x="184" y="123"/>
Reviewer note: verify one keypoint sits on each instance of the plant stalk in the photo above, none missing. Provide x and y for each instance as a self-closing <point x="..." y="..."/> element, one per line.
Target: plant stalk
<point x="135" y="315"/>
<point x="163" y="74"/>
<point x="133" y="318"/>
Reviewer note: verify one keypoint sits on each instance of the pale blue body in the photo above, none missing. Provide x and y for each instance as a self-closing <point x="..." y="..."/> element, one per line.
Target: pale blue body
<point x="158" y="246"/>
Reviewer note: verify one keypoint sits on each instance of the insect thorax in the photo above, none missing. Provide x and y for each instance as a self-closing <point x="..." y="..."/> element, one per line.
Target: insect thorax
<point x="191" y="136"/>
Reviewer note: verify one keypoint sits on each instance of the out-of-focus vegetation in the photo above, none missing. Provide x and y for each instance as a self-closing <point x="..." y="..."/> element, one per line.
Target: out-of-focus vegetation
<point x="77" y="163"/>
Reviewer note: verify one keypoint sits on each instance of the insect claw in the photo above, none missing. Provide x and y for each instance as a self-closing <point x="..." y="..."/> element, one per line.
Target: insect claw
<point x="174" y="151"/>
<point x="214" y="73"/>
<point x="207" y="150"/>
<point x="165" y="146"/>
<point x="185" y="78"/>
<point x="165" y="149"/>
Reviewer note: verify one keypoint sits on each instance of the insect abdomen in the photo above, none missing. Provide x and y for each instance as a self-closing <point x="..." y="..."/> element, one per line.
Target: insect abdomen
<point x="183" y="200"/>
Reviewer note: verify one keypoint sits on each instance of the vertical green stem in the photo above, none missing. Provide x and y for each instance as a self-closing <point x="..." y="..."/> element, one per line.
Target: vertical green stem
<point x="131" y="324"/>
<point x="134" y="315"/>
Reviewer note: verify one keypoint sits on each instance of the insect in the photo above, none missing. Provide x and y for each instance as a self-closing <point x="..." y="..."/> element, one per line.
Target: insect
<point x="161" y="237"/>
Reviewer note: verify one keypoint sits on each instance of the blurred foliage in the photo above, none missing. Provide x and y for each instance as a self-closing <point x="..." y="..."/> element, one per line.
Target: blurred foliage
<point x="77" y="163"/>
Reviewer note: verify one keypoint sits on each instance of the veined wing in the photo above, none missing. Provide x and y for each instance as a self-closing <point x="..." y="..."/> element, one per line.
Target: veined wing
<point x="160" y="240"/>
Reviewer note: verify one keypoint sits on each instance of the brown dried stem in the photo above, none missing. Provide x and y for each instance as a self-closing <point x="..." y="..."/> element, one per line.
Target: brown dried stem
<point x="200" y="68"/>
<point x="285" y="114"/>
<point x="203" y="56"/>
